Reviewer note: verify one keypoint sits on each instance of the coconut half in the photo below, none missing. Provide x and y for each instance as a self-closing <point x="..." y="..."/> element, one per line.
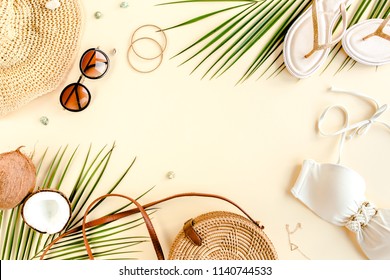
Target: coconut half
<point x="46" y="211"/>
<point x="17" y="178"/>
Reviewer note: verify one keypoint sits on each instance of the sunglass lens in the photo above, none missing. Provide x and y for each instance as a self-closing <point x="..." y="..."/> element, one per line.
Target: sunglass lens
<point x="94" y="63"/>
<point x="75" y="97"/>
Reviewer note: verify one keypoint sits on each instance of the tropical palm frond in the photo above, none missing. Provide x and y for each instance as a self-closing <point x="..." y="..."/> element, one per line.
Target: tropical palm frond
<point x="255" y="30"/>
<point x="18" y="241"/>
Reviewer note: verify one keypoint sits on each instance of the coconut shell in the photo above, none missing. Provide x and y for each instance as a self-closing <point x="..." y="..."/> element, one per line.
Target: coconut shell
<point x="17" y="178"/>
<point x="37" y="193"/>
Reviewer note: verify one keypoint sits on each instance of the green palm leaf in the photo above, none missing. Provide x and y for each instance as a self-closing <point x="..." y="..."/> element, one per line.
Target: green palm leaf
<point x="259" y="25"/>
<point x="19" y="241"/>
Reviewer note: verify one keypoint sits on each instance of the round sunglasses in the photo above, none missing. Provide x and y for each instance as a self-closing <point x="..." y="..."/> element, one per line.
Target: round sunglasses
<point x="94" y="63"/>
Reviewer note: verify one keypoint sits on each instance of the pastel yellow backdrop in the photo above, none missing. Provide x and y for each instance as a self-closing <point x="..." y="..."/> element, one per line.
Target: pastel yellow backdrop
<point x="245" y="141"/>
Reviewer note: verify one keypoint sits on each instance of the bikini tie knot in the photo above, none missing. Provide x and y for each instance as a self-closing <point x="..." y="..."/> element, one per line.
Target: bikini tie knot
<point x="362" y="217"/>
<point x="365" y="126"/>
<point x="349" y="131"/>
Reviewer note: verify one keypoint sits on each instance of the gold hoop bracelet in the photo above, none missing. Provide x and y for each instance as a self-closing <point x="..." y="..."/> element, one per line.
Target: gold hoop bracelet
<point x="131" y="48"/>
<point x="163" y="45"/>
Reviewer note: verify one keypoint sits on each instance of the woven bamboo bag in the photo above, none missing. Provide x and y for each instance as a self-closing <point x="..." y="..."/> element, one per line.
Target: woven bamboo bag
<point x="218" y="235"/>
<point x="224" y="236"/>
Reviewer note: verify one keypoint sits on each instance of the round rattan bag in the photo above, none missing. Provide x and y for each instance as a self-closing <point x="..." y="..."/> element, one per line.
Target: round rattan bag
<point x="222" y="236"/>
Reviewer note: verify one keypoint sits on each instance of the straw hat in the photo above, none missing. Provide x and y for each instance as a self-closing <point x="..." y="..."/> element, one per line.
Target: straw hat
<point x="224" y="236"/>
<point x="37" y="48"/>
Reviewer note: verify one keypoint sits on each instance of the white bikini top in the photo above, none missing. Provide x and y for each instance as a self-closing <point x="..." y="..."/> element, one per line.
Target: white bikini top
<point x="337" y="193"/>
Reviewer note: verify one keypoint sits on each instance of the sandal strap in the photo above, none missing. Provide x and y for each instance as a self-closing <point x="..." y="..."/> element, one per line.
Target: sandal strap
<point x="379" y="32"/>
<point x="316" y="44"/>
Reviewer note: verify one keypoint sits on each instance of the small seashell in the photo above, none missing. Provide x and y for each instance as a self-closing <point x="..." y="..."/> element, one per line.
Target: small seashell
<point x="124" y="4"/>
<point x="44" y="120"/>
<point x="171" y="175"/>
<point x="53" y="4"/>
<point x="98" y="14"/>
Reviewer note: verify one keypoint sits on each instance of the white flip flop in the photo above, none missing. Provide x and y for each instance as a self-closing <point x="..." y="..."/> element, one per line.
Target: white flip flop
<point x="308" y="41"/>
<point x="368" y="42"/>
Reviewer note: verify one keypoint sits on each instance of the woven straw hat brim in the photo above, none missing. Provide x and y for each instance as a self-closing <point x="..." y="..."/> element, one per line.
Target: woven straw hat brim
<point x="225" y="236"/>
<point x="37" y="48"/>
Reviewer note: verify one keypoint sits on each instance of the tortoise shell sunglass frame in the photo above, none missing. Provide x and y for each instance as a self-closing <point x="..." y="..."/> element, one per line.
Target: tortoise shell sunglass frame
<point x="94" y="64"/>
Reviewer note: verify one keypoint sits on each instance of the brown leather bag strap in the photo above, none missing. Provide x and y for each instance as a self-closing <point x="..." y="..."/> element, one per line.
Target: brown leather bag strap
<point x="145" y="216"/>
<point x="108" y="219"/>
<point x="123" y="214"/>
<point x="120" y="215"/>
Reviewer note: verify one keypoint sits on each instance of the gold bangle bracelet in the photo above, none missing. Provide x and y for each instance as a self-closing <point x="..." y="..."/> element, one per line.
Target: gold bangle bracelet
<point x="131" y="48"/>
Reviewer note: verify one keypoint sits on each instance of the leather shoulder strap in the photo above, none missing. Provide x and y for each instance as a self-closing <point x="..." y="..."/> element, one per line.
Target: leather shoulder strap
<point x="141" y="209"/>
<point x="145" y="216"/>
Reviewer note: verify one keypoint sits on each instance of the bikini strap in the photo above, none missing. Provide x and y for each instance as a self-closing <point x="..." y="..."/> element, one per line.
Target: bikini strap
<point x="349" y="131"/>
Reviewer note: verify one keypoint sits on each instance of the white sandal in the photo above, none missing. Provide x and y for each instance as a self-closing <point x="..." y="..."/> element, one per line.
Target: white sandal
<point x="308" y="42"/>
<point x="368" y="42"/>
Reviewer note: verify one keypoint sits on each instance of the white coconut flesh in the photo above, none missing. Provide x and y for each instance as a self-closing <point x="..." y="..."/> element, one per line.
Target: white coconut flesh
<point x="47" y="211"/>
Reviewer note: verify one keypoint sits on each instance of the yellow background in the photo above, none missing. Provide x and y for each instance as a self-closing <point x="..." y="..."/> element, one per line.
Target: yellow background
<point x="245" y="142"/>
